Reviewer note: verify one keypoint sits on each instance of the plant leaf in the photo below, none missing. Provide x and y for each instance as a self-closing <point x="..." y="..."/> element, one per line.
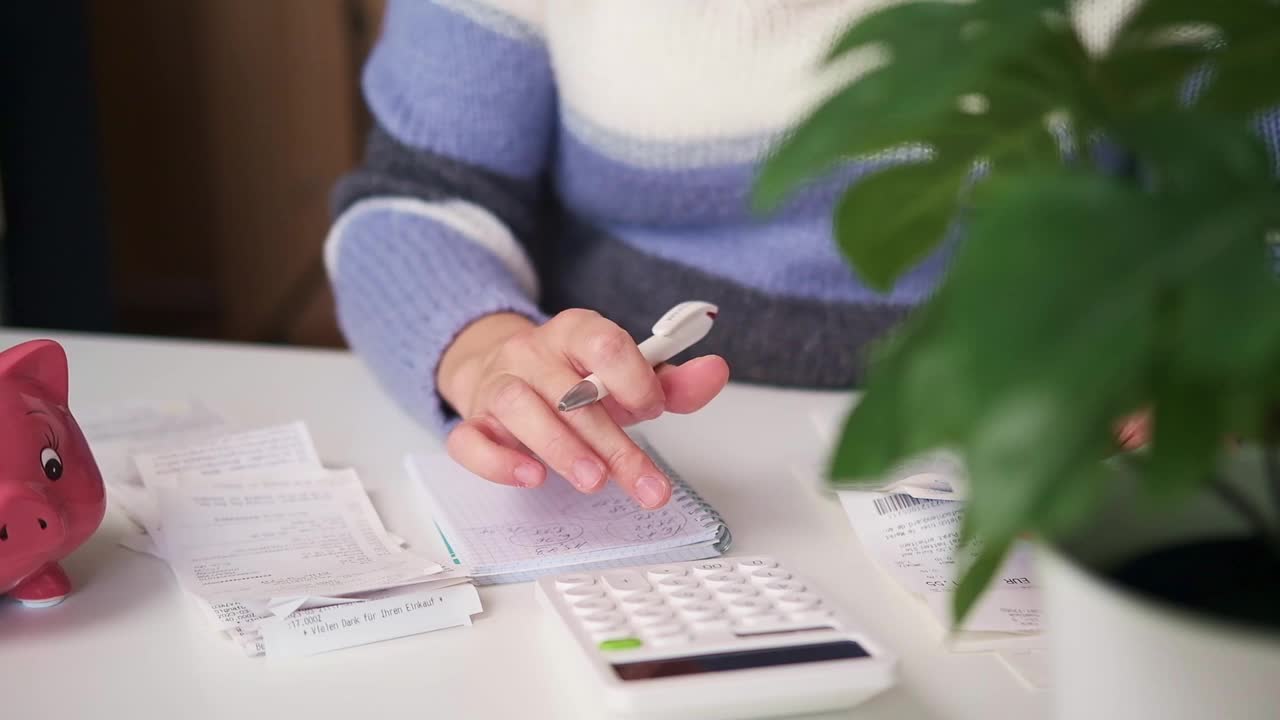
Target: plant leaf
<point x="1047" y="320"/>
<point x="1074" y="498"/>
<point x="1143" y="79"/>
<point x="976" y="577"/>
<point x="912" y="378"/>
<point x="940" y="18"/>
<point x="1201" y="154"/>
<point x="1245" y="35"/>
<point x="884" y="26"/>
<point x="881" y="246"/>
<point x="1227" y="324"/>
<point x="1220" y="198"/>
<point x="867" y="450"/>
<point x="1013" y="64"/>
<point x="1184" y="447"/>
<point x="1074" y="298"/>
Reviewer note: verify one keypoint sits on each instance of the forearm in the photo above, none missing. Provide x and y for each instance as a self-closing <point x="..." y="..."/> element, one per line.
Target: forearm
<point x="406" y="286"/>
<point x="433" y="230"/>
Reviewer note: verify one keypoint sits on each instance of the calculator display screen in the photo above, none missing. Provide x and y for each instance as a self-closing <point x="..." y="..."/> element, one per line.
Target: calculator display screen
<point x="739" y="660"/>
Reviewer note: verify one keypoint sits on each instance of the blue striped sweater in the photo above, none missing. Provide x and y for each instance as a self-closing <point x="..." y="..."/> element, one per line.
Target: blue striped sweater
<point x="534" y="155"/>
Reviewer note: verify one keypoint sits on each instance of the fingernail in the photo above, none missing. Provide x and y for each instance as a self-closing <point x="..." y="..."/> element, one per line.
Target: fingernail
<point x="587" y="474"/>
<point x="528" y="474"/>
<point x="651" y="491"/>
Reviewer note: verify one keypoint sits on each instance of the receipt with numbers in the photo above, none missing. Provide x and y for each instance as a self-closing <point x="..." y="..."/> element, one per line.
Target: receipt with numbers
<point x="916" y="542"/>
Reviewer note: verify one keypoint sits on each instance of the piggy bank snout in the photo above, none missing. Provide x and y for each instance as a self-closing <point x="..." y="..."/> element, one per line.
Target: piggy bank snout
<point x="29" y="524"/>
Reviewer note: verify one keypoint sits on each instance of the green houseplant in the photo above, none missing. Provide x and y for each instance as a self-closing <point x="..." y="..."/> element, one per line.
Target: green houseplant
<point x="1082" y="290"/>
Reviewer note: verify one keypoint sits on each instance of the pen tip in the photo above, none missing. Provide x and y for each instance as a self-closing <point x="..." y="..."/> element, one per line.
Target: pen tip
<point x="584" y="393"/>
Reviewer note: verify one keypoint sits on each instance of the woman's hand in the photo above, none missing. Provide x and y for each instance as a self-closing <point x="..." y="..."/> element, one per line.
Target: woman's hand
<point x="504" y="375"/>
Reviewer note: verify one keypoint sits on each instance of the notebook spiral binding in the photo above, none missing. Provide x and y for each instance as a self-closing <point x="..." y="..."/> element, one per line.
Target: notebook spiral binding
<point x="688" y="499"/>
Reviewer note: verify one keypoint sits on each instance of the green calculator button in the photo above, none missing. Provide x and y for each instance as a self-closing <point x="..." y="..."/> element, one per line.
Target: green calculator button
<point x="621" y="644"/>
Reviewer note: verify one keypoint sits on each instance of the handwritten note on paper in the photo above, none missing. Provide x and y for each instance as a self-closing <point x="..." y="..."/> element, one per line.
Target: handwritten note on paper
<point x="916" y="541"/>
<point x="386" y="615"/>
<point x="493" y="528"/>
<point x="253" y="536"/>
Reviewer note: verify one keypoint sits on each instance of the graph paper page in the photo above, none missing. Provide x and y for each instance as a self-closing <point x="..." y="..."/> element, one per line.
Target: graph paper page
<point x="498" y="526"/>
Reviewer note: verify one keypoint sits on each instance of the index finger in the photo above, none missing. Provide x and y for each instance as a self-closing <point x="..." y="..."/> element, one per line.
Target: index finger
<point x="629" y="465"/>
<point x="601" y="347"/>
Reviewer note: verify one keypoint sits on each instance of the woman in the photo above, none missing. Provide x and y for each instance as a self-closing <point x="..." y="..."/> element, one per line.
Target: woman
<point x="546" y="179"/>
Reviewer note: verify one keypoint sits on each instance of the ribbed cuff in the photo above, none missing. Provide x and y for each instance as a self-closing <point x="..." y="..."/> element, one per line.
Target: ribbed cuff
<point x="406" y="285"/>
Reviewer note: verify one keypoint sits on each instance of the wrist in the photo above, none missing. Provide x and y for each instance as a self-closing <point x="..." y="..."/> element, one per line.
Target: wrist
<point x="461" y="364"/>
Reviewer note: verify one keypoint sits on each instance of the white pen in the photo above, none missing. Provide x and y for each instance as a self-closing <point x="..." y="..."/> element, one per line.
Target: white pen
<point x="677" y="330"/>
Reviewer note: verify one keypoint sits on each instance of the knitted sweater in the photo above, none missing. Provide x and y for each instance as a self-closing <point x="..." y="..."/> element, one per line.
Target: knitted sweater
<point x="530" y="156"/>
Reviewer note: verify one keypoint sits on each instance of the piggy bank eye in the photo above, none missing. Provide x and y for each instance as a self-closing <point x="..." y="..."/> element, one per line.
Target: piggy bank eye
<point x="51" y="462"/>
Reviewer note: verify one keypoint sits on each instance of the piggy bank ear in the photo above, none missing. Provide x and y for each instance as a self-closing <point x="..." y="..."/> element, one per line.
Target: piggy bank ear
<point x="40" y="361"/>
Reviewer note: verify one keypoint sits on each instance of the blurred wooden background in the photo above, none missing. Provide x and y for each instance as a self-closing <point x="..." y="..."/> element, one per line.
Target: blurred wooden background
<point x="224" y="124"/>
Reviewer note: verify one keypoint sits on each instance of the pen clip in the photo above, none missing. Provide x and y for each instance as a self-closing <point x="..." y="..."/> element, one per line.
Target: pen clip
<point x="692" y="318"/>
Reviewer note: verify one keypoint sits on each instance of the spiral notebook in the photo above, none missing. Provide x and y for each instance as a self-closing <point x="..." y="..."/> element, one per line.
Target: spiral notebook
<point x="506" y="534"/>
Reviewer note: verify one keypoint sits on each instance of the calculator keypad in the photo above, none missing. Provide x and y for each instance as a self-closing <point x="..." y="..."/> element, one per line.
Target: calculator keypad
<point x="626" y="582"/>
<point x="672" y="605"/>
<point x="661" y="572"/>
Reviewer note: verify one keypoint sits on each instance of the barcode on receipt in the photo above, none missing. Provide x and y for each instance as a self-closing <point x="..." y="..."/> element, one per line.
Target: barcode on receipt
<point x="901" y="501"/>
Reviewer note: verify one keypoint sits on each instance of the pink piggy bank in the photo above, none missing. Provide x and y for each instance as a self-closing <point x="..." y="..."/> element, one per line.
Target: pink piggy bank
<point x="51" y="494"/>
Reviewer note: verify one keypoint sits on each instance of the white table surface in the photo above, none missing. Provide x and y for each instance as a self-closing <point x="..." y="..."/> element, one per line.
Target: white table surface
<point x="127" y="644"/>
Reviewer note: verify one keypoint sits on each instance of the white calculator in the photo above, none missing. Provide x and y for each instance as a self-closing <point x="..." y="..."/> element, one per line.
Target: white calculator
<point x="733" y="637"/>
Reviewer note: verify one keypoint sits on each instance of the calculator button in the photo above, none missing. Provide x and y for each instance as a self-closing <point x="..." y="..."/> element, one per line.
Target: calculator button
<point x="568" y="581"/>
<point x="717" y="624"/>
<point x="667" y="628"/>
<point x="751" y="564"/>
<point x="652" y="616"/>
<point x="678" y="583"/>
<point x="610" y="634"/>
<point x="593" y="605"/>
<point x="767" y="575"/>
<point x="625" y="582"/>
<point x="662" y="572"/>
<point x="771" y="622"/>
<point x="724" y="578"/>
<point x="664" y="636"/>
<point x="709" y="568"/>
<point x="639" y="600"/>
<point x="582" y="592"/>
<point x="821" y="617"/>
<point x="621" y="643"/>
<point x="729" y="592"/>
<point x="604" y="620"/>
<point x="687" y="595"/>
<point x="782" y="587"/>
<point x="748" y="606"/>
<point x="798" y="601"/>
<point x="698" y="611"/>
<point x="679" y="638"/>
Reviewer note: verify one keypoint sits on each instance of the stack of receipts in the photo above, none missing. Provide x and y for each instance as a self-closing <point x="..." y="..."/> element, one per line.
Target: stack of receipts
<point x="279" y="553"/>
<point x="910" y="526"/>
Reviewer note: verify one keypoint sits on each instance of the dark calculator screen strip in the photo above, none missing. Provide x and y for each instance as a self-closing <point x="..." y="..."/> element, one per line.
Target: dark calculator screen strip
<point x="741" y="660"/>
